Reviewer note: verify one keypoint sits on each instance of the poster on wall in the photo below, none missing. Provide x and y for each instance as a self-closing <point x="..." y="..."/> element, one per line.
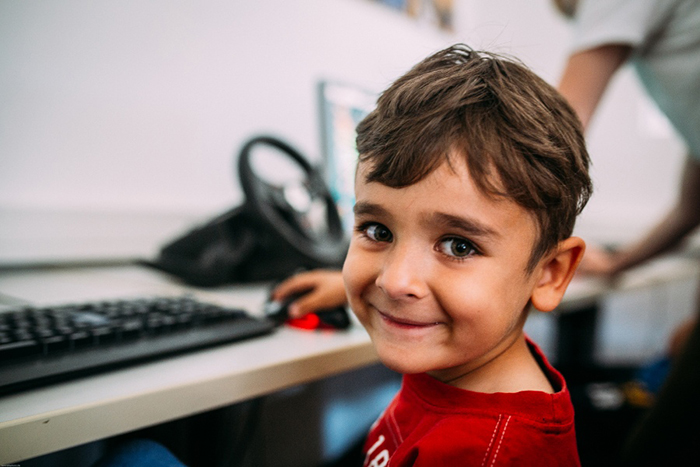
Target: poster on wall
<point x="439" y="12"/>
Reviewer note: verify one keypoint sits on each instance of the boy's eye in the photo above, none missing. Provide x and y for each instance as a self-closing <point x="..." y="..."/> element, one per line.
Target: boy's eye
<point x="457" y="247"/>
<point x="378" y="233"/>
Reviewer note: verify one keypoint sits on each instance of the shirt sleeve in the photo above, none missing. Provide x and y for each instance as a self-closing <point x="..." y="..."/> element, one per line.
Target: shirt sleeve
<point x="601" y="22"/>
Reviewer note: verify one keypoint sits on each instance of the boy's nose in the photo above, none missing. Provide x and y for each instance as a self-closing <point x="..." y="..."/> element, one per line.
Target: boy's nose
<point x="403" y="272"/>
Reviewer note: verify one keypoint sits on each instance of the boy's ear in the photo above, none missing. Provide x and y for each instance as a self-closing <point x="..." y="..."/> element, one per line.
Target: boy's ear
<point x="555" y="272"/>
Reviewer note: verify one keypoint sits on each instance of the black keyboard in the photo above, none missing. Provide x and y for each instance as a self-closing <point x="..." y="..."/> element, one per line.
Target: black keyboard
<point x="41" y="345"/>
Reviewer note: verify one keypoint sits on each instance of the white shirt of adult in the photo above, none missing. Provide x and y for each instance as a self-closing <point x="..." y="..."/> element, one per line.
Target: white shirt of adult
<point x="665" y="38"/>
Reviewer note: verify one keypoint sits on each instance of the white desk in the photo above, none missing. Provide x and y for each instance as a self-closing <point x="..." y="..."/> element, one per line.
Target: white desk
<point x="49" y="419"/>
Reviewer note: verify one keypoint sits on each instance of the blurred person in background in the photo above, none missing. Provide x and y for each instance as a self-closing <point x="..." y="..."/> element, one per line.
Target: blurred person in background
<point x="661" y="40"/>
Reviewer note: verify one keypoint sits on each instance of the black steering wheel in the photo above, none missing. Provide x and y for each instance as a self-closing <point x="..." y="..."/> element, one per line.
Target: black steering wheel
<point x="302" y="213"/>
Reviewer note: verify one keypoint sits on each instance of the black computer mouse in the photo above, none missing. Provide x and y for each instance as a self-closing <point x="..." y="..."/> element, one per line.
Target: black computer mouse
<point x="330" y="318"/>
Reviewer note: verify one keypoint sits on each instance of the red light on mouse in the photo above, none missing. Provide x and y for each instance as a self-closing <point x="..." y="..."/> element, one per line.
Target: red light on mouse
<point x="310" y="321"/>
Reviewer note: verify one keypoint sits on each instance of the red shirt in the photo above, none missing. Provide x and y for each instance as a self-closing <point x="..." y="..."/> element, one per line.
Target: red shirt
<point x="431" y="424"/>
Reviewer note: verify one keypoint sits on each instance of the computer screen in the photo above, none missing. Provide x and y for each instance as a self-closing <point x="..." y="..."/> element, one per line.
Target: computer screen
<point x="343" y="106"/>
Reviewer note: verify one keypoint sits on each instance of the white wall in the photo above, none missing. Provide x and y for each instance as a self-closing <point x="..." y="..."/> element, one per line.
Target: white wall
<point x="142" y="104"/>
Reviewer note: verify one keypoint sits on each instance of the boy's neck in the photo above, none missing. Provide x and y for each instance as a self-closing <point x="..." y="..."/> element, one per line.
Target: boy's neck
<point x="514" y="369"/>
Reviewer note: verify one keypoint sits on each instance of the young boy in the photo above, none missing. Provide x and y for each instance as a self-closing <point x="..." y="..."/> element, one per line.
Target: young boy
<point x="471" y="173"/>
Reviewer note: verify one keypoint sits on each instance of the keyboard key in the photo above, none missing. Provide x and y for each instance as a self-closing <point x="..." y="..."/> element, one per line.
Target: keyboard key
<point x="18" y="349"/>
<point x="54" y="343"/>
<point x="130" y="327"/>
<point x="80" y="338"/>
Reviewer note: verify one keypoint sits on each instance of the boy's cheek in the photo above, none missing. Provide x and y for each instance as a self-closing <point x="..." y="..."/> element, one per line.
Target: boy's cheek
<point x="356" y="272"/>
<point x="349" y="271"/>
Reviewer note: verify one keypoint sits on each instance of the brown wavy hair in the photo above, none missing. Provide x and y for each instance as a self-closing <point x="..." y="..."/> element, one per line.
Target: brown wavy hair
<point x="520" y="138"/>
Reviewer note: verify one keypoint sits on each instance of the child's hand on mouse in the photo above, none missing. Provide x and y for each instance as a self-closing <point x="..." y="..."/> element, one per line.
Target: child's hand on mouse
<point x="325" y="290"/>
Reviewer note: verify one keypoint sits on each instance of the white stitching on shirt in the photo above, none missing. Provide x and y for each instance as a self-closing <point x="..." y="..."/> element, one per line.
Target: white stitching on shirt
<point x="493" y="436"/>
<point x="493" y="462"/>
<point x="394" y="428"/>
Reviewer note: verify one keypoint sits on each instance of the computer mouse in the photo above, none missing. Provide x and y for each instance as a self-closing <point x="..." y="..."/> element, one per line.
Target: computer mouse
<point x="330" y="318"/>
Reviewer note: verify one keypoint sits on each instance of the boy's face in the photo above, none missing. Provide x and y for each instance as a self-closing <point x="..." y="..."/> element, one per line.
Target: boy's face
<point x="436" y="272"/>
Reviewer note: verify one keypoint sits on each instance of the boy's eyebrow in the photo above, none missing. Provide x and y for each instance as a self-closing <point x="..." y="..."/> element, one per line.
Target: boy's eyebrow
<point x="465" y="224"/>
<point x="363" y="207"/>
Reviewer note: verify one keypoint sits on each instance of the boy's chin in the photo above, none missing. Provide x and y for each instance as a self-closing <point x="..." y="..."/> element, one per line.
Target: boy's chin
<point x="399" y="363"/>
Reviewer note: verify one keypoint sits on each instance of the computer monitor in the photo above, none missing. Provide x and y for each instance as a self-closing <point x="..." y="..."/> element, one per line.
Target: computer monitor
<point x="343" y="106"/>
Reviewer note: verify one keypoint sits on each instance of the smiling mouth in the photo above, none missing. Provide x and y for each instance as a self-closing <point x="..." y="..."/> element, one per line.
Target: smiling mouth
<point x="406" y="323"/>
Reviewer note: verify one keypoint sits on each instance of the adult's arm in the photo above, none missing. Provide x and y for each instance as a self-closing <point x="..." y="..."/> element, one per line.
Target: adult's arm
<point x="587" y="74"/>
